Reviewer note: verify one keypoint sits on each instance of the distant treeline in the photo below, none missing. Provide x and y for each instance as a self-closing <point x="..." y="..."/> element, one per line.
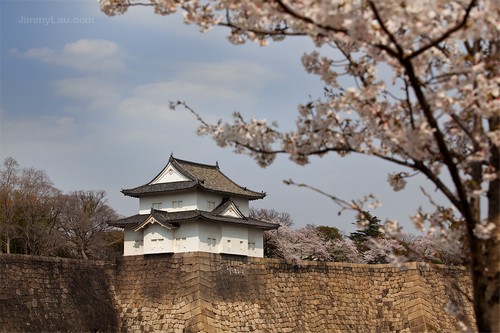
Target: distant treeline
<point x="369" y="244"/>
<point x="39" y="219"/>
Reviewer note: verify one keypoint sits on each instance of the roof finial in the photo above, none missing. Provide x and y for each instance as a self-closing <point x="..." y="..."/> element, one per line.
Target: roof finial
<point x="217" y="164"/>
<point x="171" y="155"/>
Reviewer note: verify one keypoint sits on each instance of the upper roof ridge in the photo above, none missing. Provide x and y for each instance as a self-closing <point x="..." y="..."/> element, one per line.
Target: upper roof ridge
<point x="215" y="167"/>
<point x="205" y="176"/>
<point x="181" y="161"/>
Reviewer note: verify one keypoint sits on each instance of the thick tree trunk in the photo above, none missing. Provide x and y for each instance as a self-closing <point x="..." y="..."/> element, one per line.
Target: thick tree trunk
<point x="485" y="254"/>
<point x="484" y="271"/>
<point x="491" y="274"/>
<point x="489" y="287"/>
<point x="485" y="268"/>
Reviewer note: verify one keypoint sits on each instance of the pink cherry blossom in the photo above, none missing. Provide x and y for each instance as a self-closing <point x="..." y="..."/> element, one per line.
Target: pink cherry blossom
<point x="436" y="114"/>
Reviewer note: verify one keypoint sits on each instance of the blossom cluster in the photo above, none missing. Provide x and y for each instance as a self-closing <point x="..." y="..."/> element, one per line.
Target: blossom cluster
<point x="436" y="112"/>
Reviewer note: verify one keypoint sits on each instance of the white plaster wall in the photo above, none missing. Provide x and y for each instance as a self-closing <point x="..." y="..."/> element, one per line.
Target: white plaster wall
<point x="242" y="205"/>
<point x="195" y="236"/>
<point x="210" y="237"/>
<point x="234" y="239"/>
<point x="188" y="202"/>
<point x="186" y="237"/>
<point x="256" y="236"/>
<point x="203" y="197"/>
<point x="132" y="243"/>
<point x="157" y="239"/>
<point x="146" y="203"/>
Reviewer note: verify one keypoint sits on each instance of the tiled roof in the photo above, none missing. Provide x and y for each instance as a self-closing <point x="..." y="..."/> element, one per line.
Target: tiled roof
<point x="160" y="188"/>
<point x="128" y="221"/>
<point x="203" y="176"/>
<point x="161" y="217"/>
<point x="189" y="215"/>
<point x="222" y="206"/>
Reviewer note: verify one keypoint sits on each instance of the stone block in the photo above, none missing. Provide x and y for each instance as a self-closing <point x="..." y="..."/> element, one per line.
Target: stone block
<point x="200" y="292"/>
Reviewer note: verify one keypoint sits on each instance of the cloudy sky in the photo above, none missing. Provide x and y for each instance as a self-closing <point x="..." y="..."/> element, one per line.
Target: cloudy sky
<point x="85" y="98"/>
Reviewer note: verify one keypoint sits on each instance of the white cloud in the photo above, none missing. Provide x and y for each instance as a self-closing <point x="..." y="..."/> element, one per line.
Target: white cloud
<point x="97" y="92"/>
<point x="211" y="86"/>
<point x="49" y="135"/>
<point x="149" y="104"/>
<point x="39" y="53"/>
<point x="85" y="55"/>
<point x="65" y="122"/>
<point x="235" y="74"/>
<point x="190" y="90"/>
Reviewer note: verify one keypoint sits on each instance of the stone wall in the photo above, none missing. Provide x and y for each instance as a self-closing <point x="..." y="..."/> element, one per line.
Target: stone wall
<point x="202" y="292"/>
<point x="41" y="294"/>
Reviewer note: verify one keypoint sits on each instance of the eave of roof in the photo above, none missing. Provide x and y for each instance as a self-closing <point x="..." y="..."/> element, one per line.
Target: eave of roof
<point x="158" y="216"/>
<point x="203" y="176"/>
<point x="189" y="215"/>
<point x="128" y="221"/>
<point x="159" y="188"/>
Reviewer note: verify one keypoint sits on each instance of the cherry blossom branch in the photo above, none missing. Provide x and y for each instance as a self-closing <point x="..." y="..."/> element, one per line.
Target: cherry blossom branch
<point x="416" y="165"/>
<point x="343" y="204"/>
<point x="174" y="104"/>
<point x="408" y="103"/>
<point x="464" y="207"/>
<point x="464" y="129"/>
<point x="400" y="51"/>
<point x="419" y="165"/>
<point x="447" y="33"/>
<point x="438" y="135"/>
<point x="352" y="63"/>
<point x="446" y="55"/>
<point x="306" y="19"/>
<point x="275" y="32"/>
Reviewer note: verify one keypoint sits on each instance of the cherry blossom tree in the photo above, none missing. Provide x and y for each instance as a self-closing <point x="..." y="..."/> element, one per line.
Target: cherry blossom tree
<point x="294" y="245"/>
<point x="437" y="115"/>
<point x="427" y="249"/>
<point x="271" y="244"/>
<point x="371" y="242"/>
<point x="345" y="250"/>
<point x="271" y="215"/>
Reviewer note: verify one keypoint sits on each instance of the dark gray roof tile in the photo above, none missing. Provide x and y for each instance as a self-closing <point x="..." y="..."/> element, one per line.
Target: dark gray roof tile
<point x="203" y="176"/>
<point x="183" y="216"/>
<point x="159" y="188"/>
<point x="128" y="221"/>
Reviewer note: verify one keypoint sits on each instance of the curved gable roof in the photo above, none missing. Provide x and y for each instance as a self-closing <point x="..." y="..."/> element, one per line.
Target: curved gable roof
<point x="173" y="219"/>
<point x="211" y="178"/>
<point x="226" y="205"/>
<point x="203" y="176"/>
